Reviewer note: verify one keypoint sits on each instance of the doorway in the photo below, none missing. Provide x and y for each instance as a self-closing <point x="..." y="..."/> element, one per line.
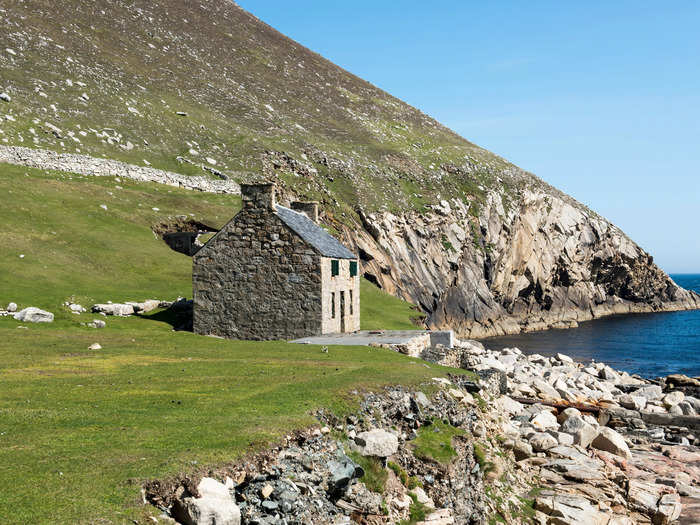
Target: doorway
<point x="342" y="312"/>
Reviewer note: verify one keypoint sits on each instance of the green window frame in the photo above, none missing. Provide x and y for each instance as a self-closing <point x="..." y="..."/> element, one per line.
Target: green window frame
<point x="335" y="267"/>
<point x="353" y="268"/>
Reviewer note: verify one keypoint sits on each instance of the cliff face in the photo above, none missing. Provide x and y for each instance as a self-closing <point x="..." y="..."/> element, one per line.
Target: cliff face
<point x="547" y="262"/>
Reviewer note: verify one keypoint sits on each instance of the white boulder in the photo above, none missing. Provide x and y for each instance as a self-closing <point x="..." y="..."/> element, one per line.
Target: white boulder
<point x="611" y="441"/>
<point x="214" y="506"/>
<point x="377" y="442"/>
<point x="34" y="315"/>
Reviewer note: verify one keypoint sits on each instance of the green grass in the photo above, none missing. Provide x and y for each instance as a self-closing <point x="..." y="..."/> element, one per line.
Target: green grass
<point x="417" y="512"/>
<point x="375" y="474"/>
<point x="81" y="430"/>
<point x="480" y="456"/>
<point x="434" y="442"/>
<point x="381" y="311"/>
<point x="72" y="247"/>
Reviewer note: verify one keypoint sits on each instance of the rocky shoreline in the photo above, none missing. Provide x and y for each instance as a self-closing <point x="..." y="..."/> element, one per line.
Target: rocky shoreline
<point x="532" y="440"/>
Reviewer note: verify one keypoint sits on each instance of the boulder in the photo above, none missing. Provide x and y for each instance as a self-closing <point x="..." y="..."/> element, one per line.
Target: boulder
<point x="542" y="441"/>
<point x="509" y="405"/>
<point x="34" y="315"/>
<point x="650" y="392"/>
<point x="582" y="432"/>
<point x="563" y="438"/>
<point x="675" y="380"/>
<point x="97" y="323"/>
<point x="565" y="359"/>
<point x="12" y="307"/>
<point x="546" y="390"/>
<point x="669" y="509"/>
<point x="567" y="413"/>
<point x="377" y="442"/>
<point x="611" y="441"/>
<point x="673" y="398"/>
<point x="95" y="346"/>
<point x="114" y="309"/>
<point x="686" y="408"/>
<point x="632" y="402"/>
<point x="544" y="420"/>
<point x="522" y="450"/>
<point x="644" y="496"/>
<point x="566" y="509"/>
<point x="214" y="506"/>
<point x="608" y="374"/>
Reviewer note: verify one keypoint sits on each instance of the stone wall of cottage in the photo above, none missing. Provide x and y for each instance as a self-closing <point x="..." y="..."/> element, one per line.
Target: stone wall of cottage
<point x="256" y="279"/>
<point x="333" y="288"/>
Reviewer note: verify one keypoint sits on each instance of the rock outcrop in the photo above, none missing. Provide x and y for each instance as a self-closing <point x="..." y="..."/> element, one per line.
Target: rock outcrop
<point x="545" y="262"/>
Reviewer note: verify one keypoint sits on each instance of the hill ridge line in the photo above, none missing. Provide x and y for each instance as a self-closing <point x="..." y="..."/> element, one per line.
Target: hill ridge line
<point x="87" y="165"/>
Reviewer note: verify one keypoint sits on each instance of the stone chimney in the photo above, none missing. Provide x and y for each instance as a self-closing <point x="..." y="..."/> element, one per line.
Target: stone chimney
<point x="310" y="209"/>
<point x="258" y="196"/>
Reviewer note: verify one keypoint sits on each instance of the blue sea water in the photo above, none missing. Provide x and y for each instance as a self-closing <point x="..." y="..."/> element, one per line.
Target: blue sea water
<point x="651" y="345"/>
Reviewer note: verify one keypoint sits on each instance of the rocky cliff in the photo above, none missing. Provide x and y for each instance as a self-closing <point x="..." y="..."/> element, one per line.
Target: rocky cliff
<point x="545" y="262"/>
<point x="205" y="90"/>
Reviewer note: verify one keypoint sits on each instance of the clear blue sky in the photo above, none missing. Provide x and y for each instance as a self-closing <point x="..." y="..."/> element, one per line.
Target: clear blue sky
<point x="601" y="99"/>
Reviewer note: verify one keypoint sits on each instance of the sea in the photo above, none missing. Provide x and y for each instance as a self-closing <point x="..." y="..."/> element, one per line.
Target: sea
<point x="651" y="345"/>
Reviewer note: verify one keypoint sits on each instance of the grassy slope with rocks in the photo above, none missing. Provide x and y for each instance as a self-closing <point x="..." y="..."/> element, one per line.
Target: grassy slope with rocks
<point x="81" y="429"/>
<point x="246" y="89"/>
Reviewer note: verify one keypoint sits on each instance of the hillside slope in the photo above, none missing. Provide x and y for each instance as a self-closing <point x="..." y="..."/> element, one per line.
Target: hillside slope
<point x="206" y="88"/>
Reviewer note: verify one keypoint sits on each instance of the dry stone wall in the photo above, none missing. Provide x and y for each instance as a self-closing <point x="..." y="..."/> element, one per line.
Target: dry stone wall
<point x="86" y="165"/>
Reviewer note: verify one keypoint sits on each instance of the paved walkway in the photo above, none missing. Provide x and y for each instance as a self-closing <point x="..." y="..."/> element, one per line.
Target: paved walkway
<point x="364" y="337"/>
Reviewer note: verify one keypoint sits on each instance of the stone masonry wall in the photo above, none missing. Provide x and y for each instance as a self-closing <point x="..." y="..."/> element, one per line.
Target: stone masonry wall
<point x="256" y="279"/>
<point x="332" y="289"/>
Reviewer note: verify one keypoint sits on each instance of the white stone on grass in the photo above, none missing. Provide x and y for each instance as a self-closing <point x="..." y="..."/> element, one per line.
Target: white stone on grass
<point x="34" y="315"/>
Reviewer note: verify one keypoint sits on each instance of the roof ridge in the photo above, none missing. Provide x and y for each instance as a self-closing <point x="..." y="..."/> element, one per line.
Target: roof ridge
<point x="313" y="233"/>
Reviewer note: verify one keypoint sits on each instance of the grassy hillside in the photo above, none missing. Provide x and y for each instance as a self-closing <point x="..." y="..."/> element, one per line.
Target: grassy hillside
<point x="155" y="80"/>
<point x="80" y="430"/>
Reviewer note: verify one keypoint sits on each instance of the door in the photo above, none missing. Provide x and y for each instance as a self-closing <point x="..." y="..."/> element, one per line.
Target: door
<point x="342" y="312"/>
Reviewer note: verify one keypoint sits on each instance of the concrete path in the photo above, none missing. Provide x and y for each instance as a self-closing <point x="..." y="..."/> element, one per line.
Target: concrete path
<point x="365" y="338"/>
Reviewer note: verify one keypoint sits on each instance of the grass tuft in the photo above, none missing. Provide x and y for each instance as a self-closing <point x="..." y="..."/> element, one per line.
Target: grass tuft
<point x="434" y="442"/>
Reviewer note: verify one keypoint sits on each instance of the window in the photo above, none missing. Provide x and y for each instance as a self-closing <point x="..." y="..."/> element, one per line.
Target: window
<point x="333" y="304"/>
<point x="351" y="292"/>
<point x="335" y="268"/>
<point x="353" y="268"/>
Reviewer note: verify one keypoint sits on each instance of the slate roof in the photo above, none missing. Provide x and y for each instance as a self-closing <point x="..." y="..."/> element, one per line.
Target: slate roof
<point x="313" y="234"/>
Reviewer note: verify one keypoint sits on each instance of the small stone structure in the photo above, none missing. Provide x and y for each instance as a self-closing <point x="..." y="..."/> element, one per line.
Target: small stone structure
<point x="274" y="273"/>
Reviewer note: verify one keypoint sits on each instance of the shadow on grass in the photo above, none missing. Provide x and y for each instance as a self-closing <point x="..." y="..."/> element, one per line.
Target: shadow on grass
<point x="179" y="319"/>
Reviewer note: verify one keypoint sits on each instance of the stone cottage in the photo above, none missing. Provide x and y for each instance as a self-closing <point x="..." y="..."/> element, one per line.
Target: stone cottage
<point x="273" y="273"/>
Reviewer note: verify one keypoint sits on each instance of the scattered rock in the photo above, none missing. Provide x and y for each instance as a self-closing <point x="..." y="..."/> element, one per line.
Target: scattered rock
<point x="34" y="315"/>
<point x="610" y="441"/>
<point x="214" y="506"/>
<point x="377" y="442"/>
